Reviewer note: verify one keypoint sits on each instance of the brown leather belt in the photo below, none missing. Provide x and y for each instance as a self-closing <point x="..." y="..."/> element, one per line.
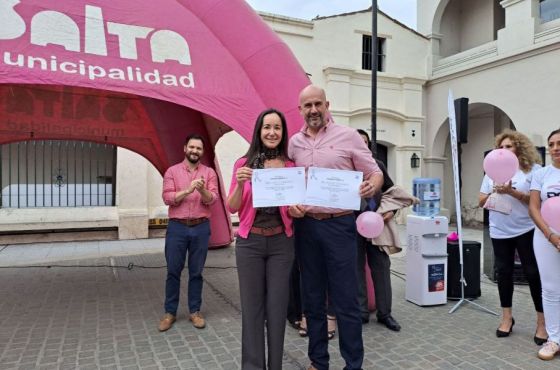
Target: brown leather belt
<point x="324" y="216"/>
<point x="267" y="231"/>
<point x="190" y="221"/>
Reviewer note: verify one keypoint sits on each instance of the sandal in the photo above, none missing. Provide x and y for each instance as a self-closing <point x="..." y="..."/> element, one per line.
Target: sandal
<point x="302" y="327"/>
<point x="331" y="330"/>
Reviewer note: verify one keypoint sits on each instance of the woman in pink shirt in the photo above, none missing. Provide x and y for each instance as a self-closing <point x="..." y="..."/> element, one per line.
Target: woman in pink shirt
<point x="264" y="247"/>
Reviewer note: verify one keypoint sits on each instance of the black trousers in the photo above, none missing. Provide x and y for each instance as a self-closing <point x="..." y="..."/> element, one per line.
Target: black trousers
<point x="504" y="252"/>
<point x="263" y="267"/>
<point x="327" y="257"/>
<point x="380" y="267"/>
<point x="294" y="304"/>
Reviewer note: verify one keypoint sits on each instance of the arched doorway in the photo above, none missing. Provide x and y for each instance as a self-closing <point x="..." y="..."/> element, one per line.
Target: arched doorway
<point x="485" y="121"/>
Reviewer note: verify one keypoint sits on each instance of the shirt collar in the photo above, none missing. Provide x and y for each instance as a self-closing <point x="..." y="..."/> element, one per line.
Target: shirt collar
<point x="187" y="168"/>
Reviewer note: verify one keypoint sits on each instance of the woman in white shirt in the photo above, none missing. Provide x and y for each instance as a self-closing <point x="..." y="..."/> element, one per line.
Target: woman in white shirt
<point x="514" y="231"/>
<point x="545" y="185"/>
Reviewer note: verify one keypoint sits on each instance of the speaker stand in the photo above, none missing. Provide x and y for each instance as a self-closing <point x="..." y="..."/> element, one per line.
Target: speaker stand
<point x="463" y="283"/>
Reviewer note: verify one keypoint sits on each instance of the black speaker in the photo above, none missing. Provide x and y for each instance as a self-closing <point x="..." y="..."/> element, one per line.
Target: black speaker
<point x="462" y="119"/>
<point x="471" y="269"/>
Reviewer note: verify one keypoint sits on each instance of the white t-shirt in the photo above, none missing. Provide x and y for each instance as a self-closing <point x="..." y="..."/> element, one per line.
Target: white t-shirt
<point x="547" y="181"/>
<point x="518" y="222"/>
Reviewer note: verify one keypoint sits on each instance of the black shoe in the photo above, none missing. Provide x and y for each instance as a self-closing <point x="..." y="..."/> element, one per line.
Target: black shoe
<point x="390" y="323"/>
<point x="539" y="341"/>
<point x="503" y="334"/>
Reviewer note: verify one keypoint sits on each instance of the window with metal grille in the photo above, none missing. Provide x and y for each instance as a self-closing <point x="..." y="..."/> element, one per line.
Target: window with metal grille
<point x="56" y="173"/>
<point x="366" y="53"/>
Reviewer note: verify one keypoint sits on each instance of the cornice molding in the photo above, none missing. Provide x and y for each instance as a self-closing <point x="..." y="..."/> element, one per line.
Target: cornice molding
<point x="508" y="3"/>
<point x="494" y="63"/>
<point x="275" y="18"/>
<point x="436" y="160"/>
<point x="366" y="75"/>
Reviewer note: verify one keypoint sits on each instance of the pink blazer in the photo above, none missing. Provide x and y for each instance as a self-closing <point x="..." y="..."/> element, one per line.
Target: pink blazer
<point x="246" y="211"/>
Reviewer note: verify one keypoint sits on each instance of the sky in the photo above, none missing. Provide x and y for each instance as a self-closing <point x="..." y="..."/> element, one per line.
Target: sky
<point x="402" y="10"/>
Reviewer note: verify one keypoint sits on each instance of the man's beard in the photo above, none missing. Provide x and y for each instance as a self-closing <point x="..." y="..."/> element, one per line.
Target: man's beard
<point x="191" y="160"/>
<point x="315" y="123"/>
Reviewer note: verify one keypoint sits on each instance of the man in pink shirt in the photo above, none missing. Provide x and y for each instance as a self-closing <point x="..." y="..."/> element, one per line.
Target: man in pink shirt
<point x="189" y="188"/>
<point x="325" y="238"/>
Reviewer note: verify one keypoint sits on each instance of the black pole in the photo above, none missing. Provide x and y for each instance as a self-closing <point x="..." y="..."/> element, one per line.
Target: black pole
<point x="374" y="67"/>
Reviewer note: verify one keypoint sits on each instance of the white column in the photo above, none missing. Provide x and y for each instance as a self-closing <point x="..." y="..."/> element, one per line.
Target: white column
<point x="132" y="195"/>
<point x="522" y="18"/>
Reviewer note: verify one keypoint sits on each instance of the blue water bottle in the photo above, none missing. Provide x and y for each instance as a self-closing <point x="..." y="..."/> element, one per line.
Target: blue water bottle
<point x="428" y="190"/>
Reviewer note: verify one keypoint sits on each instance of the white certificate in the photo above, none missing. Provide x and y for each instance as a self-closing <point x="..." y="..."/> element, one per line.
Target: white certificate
<point x="333" y="188"/>
<point x="273" y="187"/>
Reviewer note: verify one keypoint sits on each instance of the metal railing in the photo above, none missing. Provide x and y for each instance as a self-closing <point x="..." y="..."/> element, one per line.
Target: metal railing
<point x="57" y="173"/>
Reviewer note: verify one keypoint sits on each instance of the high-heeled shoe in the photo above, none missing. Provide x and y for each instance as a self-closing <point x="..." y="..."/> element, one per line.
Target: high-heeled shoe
<point x="539" y="341"/>
<point x="503" y="334"/>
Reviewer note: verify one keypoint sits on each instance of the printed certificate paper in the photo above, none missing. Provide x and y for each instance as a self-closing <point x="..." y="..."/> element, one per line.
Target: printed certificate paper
<point x="333" y="188"/>
<point x="274" y="187"/>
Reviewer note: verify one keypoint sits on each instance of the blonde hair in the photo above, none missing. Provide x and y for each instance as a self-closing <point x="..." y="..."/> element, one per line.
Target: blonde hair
<point x="524" y="148"/>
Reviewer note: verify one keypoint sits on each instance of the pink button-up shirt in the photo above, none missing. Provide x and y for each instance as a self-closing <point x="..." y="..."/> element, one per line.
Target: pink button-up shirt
<point x="178" y="178"/>
<point x="246" y="211"/>
<point x="334" y="146"/>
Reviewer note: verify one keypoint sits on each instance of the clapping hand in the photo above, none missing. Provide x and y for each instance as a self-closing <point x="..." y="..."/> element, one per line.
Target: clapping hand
<point x="197" y="184"/>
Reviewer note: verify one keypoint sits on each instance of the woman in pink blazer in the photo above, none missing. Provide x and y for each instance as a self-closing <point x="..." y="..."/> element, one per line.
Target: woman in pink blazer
<point x="264" y="247"/>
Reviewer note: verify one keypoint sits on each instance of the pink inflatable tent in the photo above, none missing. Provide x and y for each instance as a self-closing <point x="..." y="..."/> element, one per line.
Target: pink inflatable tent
<point x="142" y="75"/>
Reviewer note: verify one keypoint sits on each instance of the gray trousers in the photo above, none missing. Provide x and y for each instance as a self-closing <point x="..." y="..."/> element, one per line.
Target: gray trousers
<point x="380" y="266"/>
<point x="263" y="265"/>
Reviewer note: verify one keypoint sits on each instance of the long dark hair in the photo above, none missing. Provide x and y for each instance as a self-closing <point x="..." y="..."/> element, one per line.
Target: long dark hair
<point x="257" y="147"/>
<point x="552" y="134"/>
<point x="364" y="133"/>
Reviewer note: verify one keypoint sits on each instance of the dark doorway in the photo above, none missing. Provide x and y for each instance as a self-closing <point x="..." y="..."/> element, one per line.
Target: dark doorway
<point x="382" y="154"/>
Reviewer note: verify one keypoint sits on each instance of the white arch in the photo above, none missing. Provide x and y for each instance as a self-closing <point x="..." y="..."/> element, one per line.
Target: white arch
<point x="438" y="14"/>
<point x="441" y="137"/>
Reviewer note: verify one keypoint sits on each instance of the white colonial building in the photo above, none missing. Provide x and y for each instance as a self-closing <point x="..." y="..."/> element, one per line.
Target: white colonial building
<point x="502" y="55"/>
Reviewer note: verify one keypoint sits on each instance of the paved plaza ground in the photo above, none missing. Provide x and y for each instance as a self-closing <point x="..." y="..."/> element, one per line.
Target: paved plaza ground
<point x="106" y="317"/>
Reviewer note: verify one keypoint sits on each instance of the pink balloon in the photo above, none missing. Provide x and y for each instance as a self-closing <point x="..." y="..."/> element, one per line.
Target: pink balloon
<point x="550" y="212"/>
<point x="501" y="165"/>
<point x="370" y="224"/>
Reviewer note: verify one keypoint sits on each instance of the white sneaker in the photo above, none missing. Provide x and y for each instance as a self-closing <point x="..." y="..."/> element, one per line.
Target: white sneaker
<point x="549" y="350"/>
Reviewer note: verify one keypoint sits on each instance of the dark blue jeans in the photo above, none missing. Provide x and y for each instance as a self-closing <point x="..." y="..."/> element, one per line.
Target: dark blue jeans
<point x="327" y="255"/>
<point x="179" y="240"/>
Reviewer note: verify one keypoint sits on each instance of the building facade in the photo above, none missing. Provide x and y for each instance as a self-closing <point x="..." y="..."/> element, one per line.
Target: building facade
<point x="501" y="55"/>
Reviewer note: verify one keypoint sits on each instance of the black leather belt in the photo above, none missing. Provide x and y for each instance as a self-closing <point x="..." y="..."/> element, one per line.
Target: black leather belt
<point x="190" y="221"/>
<point x="325" y="216"/>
